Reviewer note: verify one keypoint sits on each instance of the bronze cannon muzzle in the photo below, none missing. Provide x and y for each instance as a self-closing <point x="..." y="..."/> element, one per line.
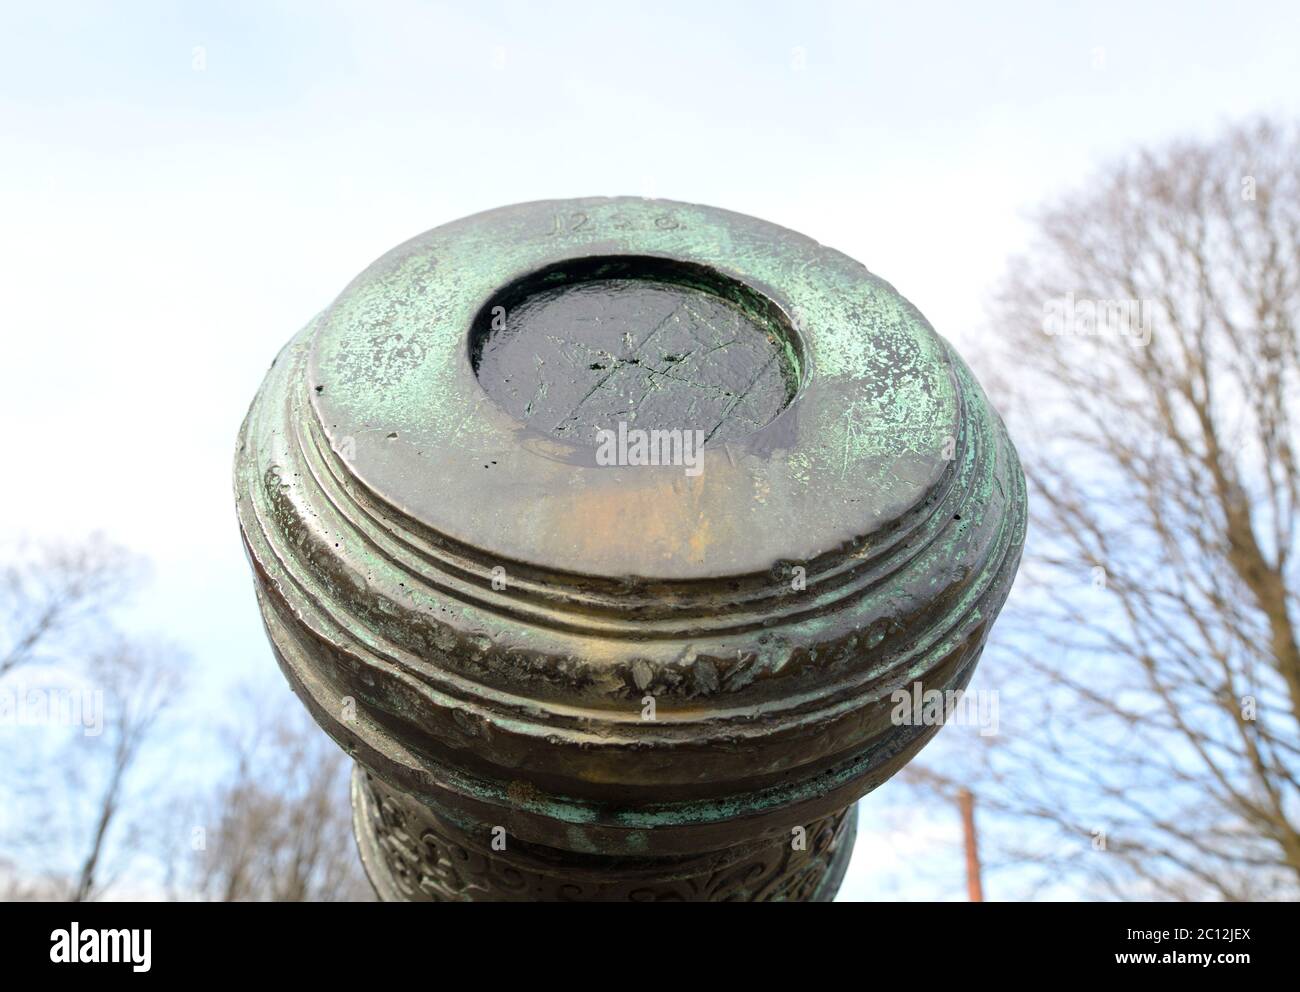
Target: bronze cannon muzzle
<point x="600" y="533"/>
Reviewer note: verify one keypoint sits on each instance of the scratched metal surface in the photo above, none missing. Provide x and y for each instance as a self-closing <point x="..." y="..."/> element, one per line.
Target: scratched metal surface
<point x="383" y="481"/>
<point x="585" y="355"/>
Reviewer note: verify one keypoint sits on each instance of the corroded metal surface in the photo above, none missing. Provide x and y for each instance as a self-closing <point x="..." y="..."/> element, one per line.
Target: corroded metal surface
<point x="413" y="854"/>
<point x="623" y="661"/>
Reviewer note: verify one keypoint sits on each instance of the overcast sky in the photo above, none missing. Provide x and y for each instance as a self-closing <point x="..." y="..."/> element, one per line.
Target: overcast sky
<point x="183" y="186"/>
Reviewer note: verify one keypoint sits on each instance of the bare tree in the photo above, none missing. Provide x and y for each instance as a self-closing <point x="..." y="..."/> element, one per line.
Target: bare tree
<point x="76" y="821"/>
<point x="139" y="683"/>
<point x="1151" y="715"/>
<point x="89" y="701"/>
<point x="51" y="593"/>
<point x="283" y="830"/>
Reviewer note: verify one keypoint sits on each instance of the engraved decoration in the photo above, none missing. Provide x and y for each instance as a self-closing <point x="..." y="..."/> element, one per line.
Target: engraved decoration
<point x="414" y="855"/>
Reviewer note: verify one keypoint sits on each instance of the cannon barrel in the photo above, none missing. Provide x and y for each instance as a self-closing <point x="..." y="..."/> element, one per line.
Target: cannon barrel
<point x="603" y="533"/>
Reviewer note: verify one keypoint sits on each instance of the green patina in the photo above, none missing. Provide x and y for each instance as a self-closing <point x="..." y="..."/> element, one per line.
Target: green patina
<point x="380" y="484"/>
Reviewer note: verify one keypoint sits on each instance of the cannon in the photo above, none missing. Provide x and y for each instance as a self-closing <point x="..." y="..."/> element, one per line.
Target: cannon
<point x="601" y="534"/>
